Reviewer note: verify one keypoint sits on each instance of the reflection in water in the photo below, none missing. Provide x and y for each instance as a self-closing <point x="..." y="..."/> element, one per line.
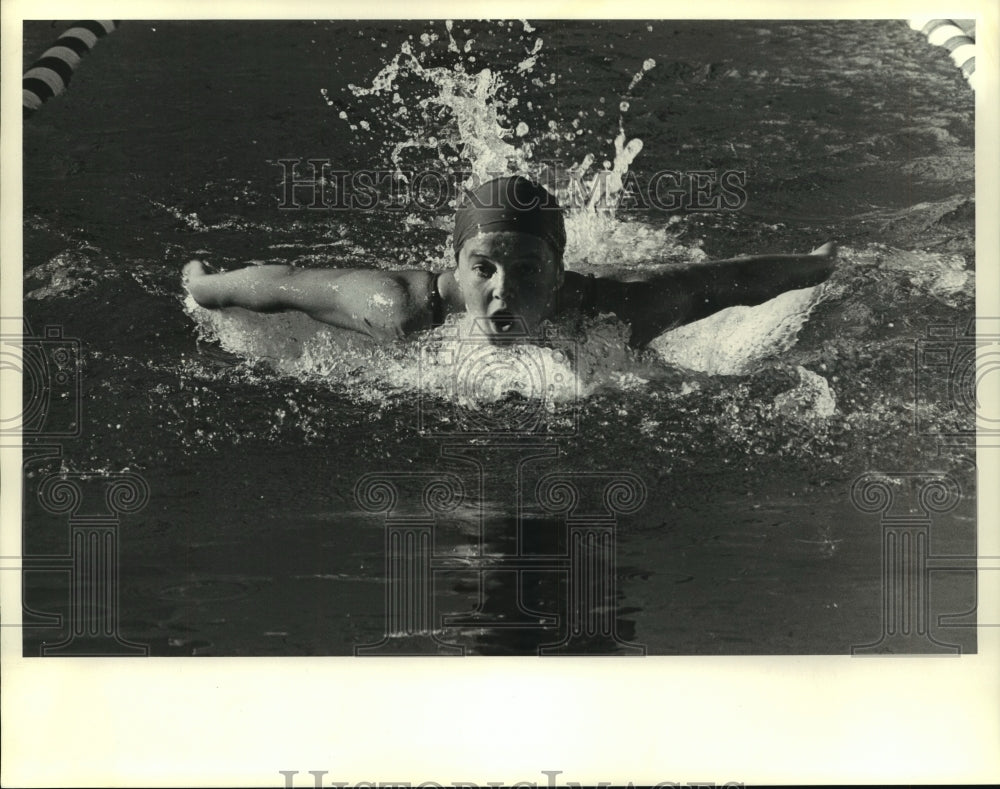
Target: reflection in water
<point x="544" y="588"/>
<point x="497" y="552"/>
<point x="251" y="471"/>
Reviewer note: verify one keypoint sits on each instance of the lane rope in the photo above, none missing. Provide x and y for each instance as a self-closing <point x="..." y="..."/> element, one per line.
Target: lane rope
<point x="50" y="74"/>
<point x="958" y="36"/>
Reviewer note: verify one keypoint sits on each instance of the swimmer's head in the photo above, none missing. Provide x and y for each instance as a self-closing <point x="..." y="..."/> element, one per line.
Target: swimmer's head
<point x="509" y="241"/>
<point x="511" y="203"/>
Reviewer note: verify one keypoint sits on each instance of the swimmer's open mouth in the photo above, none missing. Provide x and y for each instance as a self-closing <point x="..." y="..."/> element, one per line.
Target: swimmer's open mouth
<point x="503" y="322"/>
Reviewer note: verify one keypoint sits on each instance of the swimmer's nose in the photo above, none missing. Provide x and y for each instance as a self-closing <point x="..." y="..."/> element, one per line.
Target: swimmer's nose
<point x="501" y="291"/>
<point x="500" y="288"/>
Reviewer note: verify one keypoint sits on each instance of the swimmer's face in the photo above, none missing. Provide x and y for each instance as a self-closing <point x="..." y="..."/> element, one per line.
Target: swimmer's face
<point x="508" y="275"/>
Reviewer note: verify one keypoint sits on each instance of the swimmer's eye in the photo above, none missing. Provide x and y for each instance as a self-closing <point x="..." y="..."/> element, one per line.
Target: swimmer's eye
<point x="483" y="271"/>
<point x="529" y="265"/>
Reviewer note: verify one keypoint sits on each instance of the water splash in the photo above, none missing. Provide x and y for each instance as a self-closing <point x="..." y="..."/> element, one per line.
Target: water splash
<point x="447" y="115"/>
<point x="571" y="361"/>
<point x="470" y="123"/>
<point x="436" y="106"/>
<point x="734" y="340"/>
<point x="69" y="273"/>
<point x="647" y="65"/>
<point x="811" y="399"/>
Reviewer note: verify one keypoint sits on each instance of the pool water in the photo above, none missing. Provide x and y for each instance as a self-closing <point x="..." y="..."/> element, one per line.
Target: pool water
<point x="745" y="432"/>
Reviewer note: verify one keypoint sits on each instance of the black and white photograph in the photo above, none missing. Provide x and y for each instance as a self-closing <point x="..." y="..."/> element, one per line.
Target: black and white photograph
<point x="582" y="341"/>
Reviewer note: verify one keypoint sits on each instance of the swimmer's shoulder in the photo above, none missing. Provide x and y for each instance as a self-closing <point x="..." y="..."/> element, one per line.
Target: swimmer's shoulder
<point x="432" y="295"/>
<point x="583" y="292"/>
<point x="450" y="294"/>
<point x="575" y="289"/>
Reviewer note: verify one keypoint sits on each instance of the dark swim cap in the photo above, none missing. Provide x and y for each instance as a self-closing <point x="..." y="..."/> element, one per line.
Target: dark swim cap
<point x="511" y="203"/>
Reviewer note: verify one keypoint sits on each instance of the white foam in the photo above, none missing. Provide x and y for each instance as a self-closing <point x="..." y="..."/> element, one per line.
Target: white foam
<point x="812" y="398"/>
<point x="450" y="361"/>
<point x="459" y="108"/>
<point x="732" y="340"/>
<point x="945" y="277"/>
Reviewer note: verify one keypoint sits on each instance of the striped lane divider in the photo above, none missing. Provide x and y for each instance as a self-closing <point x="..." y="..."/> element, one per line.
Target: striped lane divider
<point x="958" y="36"/>
<point x="50" y="74"/>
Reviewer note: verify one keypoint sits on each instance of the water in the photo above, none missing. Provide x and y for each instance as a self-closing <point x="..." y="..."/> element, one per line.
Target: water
<point x="746" y="429"/>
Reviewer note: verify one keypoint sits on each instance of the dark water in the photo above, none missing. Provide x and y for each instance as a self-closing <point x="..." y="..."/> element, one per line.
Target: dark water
<point x="253" y="542"/>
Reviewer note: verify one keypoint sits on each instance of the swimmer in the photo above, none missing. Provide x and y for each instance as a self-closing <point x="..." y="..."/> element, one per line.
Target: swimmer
<point x="509" y="240"/>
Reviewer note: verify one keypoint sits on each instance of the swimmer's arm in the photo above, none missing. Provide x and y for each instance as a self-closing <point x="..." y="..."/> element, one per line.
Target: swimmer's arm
<point x="689" y="293"/>
<point x="382" y="304"/>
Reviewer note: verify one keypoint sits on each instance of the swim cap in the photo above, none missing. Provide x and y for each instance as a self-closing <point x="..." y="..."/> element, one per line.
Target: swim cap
<point x="511" y="203"/>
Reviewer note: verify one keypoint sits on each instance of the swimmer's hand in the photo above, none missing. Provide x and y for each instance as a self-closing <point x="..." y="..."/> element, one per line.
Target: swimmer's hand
<point x="827" y="252"/>
<point x="193" y="270"/>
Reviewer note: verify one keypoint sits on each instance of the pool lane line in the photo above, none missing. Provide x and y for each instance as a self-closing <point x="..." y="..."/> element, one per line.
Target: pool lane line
<point x="50" y="74"/>
<point x="958" y="36"/>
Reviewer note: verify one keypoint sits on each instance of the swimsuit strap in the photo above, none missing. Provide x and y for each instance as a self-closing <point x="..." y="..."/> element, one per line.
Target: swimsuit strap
<point x="436" y="302"/>
<point x="589" y="301"/>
